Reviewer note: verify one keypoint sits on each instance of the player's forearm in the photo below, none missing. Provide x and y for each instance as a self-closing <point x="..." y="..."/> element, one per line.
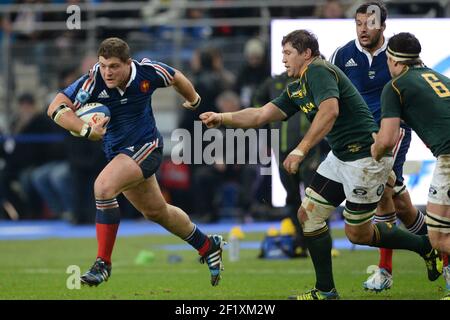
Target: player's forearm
<point x="184" y="87"/>
<point x="320" y="127"/>
<point x="246" y="118"/>
<point x="65" y="118"/>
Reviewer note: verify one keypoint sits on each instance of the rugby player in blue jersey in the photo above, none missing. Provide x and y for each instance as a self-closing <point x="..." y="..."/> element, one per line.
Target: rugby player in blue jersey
<point x="133" y="147"/>
<point x="364" y="62"/>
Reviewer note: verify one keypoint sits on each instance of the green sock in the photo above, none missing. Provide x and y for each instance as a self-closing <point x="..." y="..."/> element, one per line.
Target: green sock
<point x="319" y="246"/>
<point x="390" y="236"/>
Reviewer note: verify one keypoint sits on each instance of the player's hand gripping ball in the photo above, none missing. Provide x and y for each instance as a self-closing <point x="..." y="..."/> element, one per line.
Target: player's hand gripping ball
<point x="92" y="113"/>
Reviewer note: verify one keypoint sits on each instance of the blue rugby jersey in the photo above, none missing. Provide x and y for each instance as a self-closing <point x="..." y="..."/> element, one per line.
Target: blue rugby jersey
<point x="132" y="120"/>
<point x="368" y="74"/>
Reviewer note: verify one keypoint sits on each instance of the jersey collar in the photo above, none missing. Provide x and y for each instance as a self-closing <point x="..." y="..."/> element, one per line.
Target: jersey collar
<point x="132" y="77"/>
<point x="367" y="53"/>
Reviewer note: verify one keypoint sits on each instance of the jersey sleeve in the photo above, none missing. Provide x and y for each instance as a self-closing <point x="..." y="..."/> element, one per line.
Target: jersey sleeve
<point x="323" y="83"/>
<point x="164" y="73"/>
<point x="72" y="90"/>
<point x="285" y="104"/>
<point x="336" y="59"/>
<point x="391" y="106"/>
<point x="80" y="91"/>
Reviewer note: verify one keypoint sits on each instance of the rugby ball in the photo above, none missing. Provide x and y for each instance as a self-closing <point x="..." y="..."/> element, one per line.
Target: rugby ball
<point x="91" y="113"/>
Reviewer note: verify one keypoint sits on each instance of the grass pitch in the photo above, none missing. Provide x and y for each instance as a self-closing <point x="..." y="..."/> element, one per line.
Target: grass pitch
<point x="34" y="270"/>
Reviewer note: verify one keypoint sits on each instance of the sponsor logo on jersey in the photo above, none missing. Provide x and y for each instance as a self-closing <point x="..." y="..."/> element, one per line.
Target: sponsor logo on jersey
<point x="351" y="63"/>
<point x="144" y="86"/>
<point x="380" y="190"/>
<point x="355" y="147"/>
<point x="432" y="191"/>
<point x="82" y="96"/>
<point x="307" y="107"/>
<point x="123" y="101"/>
<point x="359" y="191"/>
<point x="103" y="95"/>
<point x="299" y="93"/>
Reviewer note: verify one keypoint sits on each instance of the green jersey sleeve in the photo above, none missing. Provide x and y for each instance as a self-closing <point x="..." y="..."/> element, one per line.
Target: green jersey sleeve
<point x="390" y="102"/>
<point x="323" y="83"/>
<point x="285" y="104"/>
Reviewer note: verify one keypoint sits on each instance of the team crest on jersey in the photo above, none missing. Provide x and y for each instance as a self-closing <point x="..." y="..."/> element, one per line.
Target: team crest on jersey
<point x="144" y="86"/>
<point x="299" y="93"/>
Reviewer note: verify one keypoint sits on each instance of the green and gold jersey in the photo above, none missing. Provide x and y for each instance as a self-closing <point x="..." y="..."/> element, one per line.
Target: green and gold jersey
<point x="421" y="97"/>
<point x="351" y="135"/>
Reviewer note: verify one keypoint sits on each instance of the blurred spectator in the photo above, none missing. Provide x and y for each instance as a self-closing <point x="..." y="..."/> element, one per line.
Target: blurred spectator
<point x="210" y="79"/>
<point x="230" y="12"/>
<point x="117" y="15"/>
<point x="332" y="9"/>
<point x="22" y="155"/>
<point x="422" y="9"/>
<point x="255" y="68"/>
<point x="26" y="20"/>
<point x="228" y="189"/>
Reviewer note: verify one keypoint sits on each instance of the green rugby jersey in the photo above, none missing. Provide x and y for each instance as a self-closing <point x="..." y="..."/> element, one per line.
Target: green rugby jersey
<point x="351" y="135"/>
<point x="421" y="97"/>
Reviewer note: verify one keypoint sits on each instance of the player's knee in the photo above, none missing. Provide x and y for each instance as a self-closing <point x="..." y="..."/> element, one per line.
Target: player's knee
<point x="358" y="217"/>
<point x="438" y="232"/>
<point x="104" y="189"/>
<point x="314" y="211"/>
<point x="155" y="213"/>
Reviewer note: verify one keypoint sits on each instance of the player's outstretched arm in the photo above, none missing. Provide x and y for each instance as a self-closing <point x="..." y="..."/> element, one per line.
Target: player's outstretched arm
<point x="246" y="118"/>
<point x="386" y="138"/>
<point x="185" y="88"/>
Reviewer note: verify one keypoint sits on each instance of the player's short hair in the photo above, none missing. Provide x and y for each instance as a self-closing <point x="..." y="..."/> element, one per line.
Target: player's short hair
<point x="114" y="48"/>
<point x="365" y="6"/>
<point x="302" y="40"/>
<point x="405" y="45"/>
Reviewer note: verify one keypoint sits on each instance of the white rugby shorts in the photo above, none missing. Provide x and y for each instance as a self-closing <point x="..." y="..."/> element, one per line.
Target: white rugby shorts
<point x="363" y="180"/>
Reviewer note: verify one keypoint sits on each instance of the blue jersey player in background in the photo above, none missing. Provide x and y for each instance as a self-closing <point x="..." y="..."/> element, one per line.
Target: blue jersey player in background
<point x="133" y="147"/>
<point x="364" y="61"/>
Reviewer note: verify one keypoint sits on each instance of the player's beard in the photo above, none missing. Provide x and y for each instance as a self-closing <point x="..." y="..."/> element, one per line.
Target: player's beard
<point x="374" y="42"/>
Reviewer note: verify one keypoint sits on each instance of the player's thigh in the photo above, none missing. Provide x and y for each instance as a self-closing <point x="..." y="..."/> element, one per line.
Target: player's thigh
<point x="326" y="184"/>
<point x="364" y="179"/>
<point x="146" y="197"/>
<point x="118" y="175"/>
<point x="438" y="207"/>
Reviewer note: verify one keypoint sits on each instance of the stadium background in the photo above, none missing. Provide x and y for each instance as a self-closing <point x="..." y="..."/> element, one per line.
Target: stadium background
<point x="225" y="44"/>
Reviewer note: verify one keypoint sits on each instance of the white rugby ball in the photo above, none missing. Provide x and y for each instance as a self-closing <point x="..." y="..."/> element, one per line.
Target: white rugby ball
<point x="91" y="113"/>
